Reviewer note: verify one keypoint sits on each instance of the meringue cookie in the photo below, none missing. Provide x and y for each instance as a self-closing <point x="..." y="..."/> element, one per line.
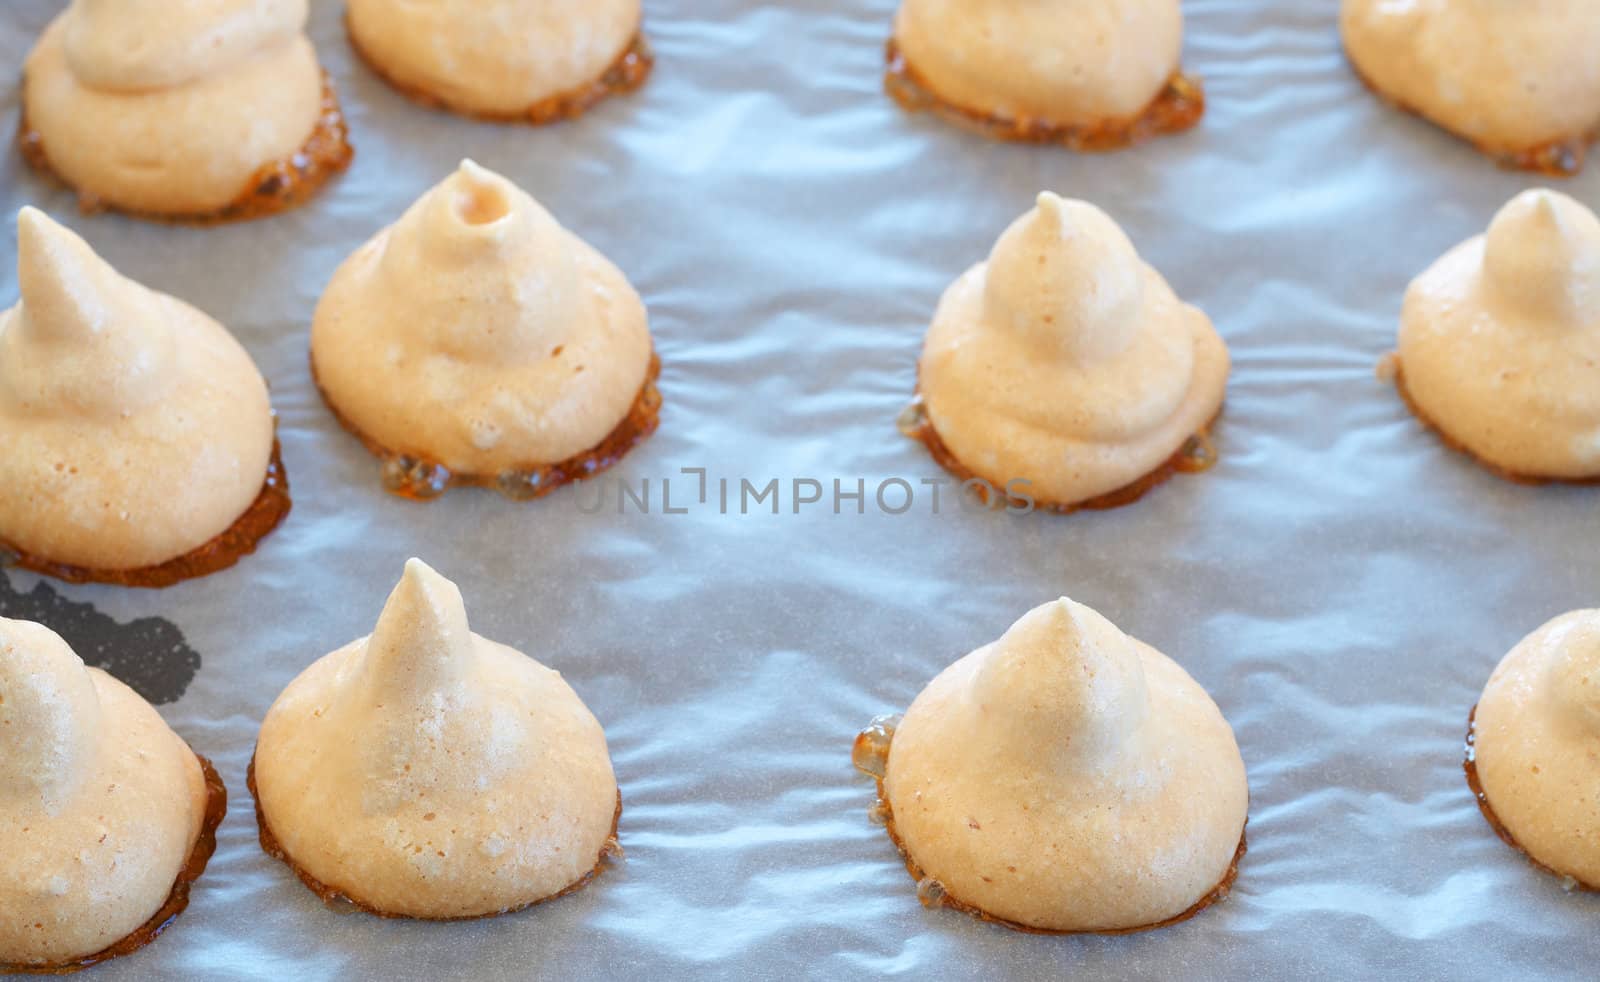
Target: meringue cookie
<point x="190" y="109"/>
<point x="1066" y="362"/>
<point x="479" y="336"/>
<point x="504" y="59"/>
<point x="1094" y="75"/>
<point x="1532" y="761"/>
<point x="1519" y="80"/>
<point x="137" y="429"/>
<point x="1500" y="341"/>
<point x="424" y="771"/>
<point x="106" y="815"/>
<point x="1066" y="778"/>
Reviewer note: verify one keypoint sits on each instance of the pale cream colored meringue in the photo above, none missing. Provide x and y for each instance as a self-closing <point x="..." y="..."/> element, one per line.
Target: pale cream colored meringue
<point x="100" y="803"/>
<point x="1067" y="362"/>
<point x="493" y="57"/>
<point x="172" y="108"/>
<point x="1500" y="340"/>
<point x="1078" y="62"/>
<point x="136" y="427"/>
<point x="478" y="333"/>
<point x="1068" y="778"/>
<point x="1536" y="728"/>
<point x="425" y="771"/>
<point x="1511" y="77"/>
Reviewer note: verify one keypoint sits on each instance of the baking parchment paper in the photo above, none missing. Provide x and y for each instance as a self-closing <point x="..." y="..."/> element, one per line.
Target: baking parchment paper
<point x="1341" y="583"/>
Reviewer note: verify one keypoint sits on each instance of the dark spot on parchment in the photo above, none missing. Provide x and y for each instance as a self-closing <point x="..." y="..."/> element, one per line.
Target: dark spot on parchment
<point x="150" y="654"/>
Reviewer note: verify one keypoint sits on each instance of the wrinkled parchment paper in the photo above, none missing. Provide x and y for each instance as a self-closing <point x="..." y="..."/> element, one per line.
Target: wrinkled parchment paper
<point x="1341" y="583"/>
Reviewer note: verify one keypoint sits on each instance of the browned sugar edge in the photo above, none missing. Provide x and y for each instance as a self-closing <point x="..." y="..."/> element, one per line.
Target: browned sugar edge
<point x="1177" y="107"/>
<point x="240" y="539"/>
<point x="641" y="421"/>
<point x="626" y="74"/>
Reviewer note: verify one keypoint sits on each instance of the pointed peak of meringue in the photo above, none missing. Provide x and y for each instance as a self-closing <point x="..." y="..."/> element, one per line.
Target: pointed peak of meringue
<point x="140" y="45"/>
<point x="32" y="225"/>
<point x="1544" y="206"/>
<point x="49" y="715"/>
<point x="421" y="638"/>
<point x="1054" y="626"/>
<point x="1065" y="683"/>
<point x="1051" y="209"/>
<point x="1547" y="213"/>
<point x="1542" y="253"/>
<point x="86" y="339"/>
<point x="1065" y="276"/>
<point x="68" y="292"/>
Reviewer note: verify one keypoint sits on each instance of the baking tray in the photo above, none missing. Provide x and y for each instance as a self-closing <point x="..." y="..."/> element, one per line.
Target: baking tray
<point x="1340" y="582"/>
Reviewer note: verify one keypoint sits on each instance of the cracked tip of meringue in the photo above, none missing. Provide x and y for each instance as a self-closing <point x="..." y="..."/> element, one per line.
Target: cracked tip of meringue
<point x="481" y="198"/>
<point x="482" y="269"/>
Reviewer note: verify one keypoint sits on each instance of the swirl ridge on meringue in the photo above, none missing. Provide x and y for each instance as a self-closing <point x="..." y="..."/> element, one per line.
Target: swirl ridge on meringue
<point x="1067" y="362"/>
<point x="1093" y="74"/>
<point x="102" y="806"/>
<point x="1068" y="778"/>
<point x="424" y="771"/>
<point x="478" y="333"/>
<point x="534" y="60"/>
<point x="137" y="428"/>
<point x="177" y="109"/>
<point x="1499" y="344"/>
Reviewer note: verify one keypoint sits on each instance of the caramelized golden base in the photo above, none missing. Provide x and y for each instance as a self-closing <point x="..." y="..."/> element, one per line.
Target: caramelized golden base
<point x="1392" y="364"/>
<point x="1558" y="158"/>
<point x="333" y="895"/>
<point x="1197" y="454"/>
<point x="420" y="479"/>
<point x="1470" y="766"/>
<point x="870" y="754"/>
<point x="240" y="539"/>
<point x="278" y="186"/>
<point x="177" y="900"/>
<point x="1178" y="107"/>
<point x="627" y="73"/>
